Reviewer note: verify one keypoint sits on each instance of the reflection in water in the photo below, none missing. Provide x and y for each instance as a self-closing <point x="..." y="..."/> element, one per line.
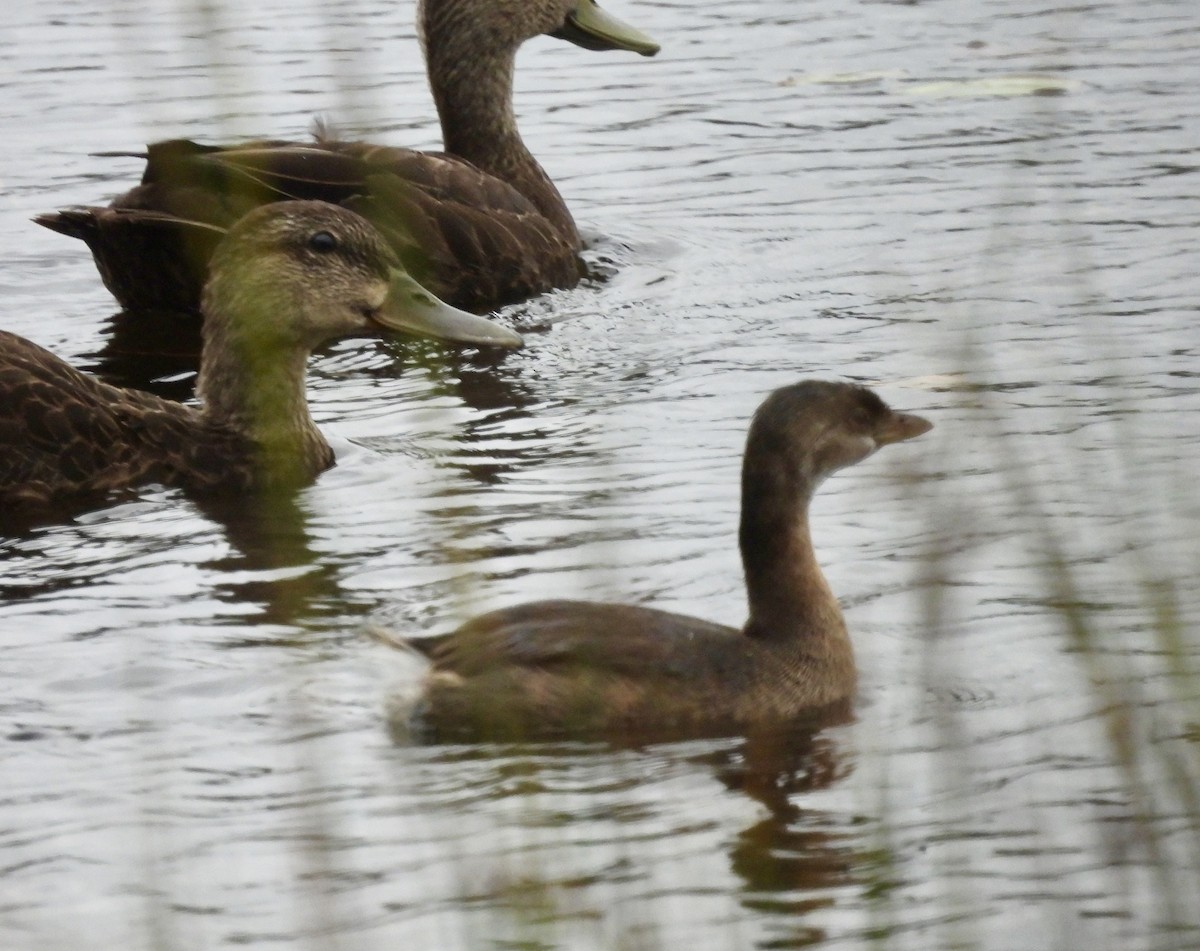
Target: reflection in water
<point x="792" y="870"/>
<point x="773" y="765"/>
<point x="275" y="564"/>
<point x="813" y="853"/>
<point x="155" y="351"/>
<point x="793" y="861"/>
<point x="489" y="382"/>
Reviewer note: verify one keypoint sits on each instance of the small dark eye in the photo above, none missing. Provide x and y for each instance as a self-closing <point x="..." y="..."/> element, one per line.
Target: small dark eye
<point x="323" y="242"/>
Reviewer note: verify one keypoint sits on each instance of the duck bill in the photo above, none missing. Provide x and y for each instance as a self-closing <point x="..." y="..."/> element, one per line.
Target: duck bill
<point x="409" y="308"/>
<point x="593" y="29"/>
<point x="902" y="426"/>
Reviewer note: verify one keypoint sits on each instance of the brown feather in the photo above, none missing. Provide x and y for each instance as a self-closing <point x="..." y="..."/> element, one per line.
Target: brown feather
<point x="65" y="432"/>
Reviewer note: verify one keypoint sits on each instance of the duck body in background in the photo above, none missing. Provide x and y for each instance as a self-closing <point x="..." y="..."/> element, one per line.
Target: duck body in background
<point x="288" y="277"/>
<point x="625" y="672"/>
<point x="480" y="225"/>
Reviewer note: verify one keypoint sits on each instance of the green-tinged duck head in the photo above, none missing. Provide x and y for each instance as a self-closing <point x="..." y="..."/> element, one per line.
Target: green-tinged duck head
<point x="288" y="277"/>
<point x="299" y="273"/>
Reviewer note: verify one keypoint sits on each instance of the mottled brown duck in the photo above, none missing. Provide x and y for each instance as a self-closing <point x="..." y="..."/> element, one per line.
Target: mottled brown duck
<point x="286" y="278"/>
<point x="480" y="225"/>
<point x="575" y="668"/>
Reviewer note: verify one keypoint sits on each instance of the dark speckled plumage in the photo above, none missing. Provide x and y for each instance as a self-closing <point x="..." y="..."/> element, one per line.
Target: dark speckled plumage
<point x="286" y="278"/>
<point x="629" y="672"/>
<point x="64" y="432"/>
<point x="480" y="225"/>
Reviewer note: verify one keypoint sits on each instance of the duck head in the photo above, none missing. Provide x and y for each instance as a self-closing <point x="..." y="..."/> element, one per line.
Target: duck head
<point x="295" y="274"/>
<point x="816" y="427"/>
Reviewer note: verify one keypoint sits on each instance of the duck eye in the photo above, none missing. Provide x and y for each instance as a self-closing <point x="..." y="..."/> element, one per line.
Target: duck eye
<point x="323" y="242"/>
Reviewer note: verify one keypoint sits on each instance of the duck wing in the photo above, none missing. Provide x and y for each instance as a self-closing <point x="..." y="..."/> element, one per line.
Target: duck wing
<point x="613" y="639"/>
<point x="474" y="240"/>
<point x="63" y="432"/>
<point x="152" y="261"/>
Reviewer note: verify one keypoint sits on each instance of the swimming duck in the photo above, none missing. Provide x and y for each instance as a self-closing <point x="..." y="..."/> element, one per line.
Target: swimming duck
<point x="480" y="225"/>
<point x="286" y="278"/>
<point x="622" y="671"/>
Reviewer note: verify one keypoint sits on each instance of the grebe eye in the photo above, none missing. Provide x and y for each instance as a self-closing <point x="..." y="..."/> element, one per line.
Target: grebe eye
<point x="323" y="242"/>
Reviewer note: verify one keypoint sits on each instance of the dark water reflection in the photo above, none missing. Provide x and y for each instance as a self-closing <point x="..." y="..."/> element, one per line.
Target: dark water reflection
<point x="986" y="210"/>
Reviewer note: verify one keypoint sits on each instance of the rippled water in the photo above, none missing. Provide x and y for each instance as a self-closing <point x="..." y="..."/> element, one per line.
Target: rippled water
<point x="987" y="210"/>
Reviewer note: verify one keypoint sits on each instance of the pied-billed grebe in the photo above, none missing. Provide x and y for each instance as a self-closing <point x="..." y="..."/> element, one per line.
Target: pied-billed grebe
<point x="580" y="668"/>
<point x="288" y="277"/>
<point x="480" y="225"/>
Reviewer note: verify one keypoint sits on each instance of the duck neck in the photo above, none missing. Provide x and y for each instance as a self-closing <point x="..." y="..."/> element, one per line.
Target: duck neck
<point x="790" y="602"/>
<point x="473" y="90"/>
<point x="255" y="387"/>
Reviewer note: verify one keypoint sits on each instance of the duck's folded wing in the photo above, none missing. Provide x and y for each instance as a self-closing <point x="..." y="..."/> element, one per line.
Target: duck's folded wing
<point x="471" y="238"/>
<point x="478" y="256"/>
<point x="474" y="240"/>
<point x="615" y="638"/>
<point x="63" y="431"/>
<point x="151" y="260"/>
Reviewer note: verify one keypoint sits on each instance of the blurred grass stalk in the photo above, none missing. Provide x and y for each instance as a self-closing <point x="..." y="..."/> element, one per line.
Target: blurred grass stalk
<point x="1140" y="677"/>
<point x="1122" y="601"/>
<point x="234" y="104"/>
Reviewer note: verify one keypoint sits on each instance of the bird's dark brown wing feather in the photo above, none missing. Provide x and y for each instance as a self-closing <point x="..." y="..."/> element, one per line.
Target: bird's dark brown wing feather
<point x="150" y="260"/>
<point x="474" y="240"/>
<point x="615" y="639"/>
<point x="67" y="433"/>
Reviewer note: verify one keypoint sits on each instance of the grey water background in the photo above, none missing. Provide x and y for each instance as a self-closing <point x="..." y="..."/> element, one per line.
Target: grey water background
<point x="987" y="211"/>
